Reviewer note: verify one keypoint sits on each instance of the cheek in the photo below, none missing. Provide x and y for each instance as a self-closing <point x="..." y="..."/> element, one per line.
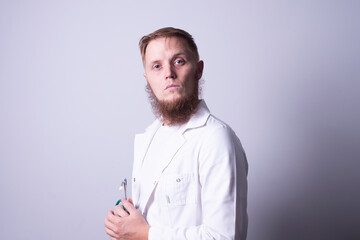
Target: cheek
<point x="154" y="87"/>
<point x="190" y="81"/>
<point x="153" y="81"/>
<point x="156" y="90"/>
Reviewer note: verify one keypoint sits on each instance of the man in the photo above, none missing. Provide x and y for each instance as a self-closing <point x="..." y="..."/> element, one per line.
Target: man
<point x="190" y="171"/>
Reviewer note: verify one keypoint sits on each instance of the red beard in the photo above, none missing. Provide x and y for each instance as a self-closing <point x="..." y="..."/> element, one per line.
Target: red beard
<point x="175" y="112"/>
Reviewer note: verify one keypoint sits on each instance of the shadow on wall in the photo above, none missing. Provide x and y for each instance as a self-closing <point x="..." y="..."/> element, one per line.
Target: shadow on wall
<point x="325" y="204"/>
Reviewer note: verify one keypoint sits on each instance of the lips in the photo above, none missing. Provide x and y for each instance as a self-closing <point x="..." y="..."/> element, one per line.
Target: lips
<point x="170" y="86"/>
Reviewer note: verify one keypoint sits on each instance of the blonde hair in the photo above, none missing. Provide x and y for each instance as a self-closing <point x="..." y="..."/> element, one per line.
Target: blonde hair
<point x="168" y="32"/>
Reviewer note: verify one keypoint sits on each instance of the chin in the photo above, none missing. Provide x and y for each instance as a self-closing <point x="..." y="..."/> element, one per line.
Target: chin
<point x="173" y="99"/>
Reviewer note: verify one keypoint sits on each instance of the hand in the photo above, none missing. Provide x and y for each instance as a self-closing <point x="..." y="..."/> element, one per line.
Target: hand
<point x="126" y="225"/>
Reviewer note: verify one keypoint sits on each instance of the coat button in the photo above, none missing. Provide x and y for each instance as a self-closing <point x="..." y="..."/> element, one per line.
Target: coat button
<point x="178" y="180"/>
<point x="134" y="179"/>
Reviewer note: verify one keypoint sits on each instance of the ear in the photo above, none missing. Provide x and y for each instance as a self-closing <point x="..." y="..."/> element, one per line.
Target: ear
<point x="146" y="77"/>
<point x="199" y="70"/>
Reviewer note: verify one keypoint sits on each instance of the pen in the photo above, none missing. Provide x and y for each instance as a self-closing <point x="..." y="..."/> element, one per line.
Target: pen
<point x="122" y="188"/>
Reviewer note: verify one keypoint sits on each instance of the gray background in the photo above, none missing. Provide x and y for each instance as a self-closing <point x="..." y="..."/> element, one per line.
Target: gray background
<point x="283" y="74"/>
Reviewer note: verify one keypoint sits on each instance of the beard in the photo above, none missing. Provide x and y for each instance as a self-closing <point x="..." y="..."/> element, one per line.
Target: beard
<point x="175" y="112"/>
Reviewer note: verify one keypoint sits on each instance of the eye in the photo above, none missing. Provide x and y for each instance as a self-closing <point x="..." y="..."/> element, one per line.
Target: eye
<point x="179" y="61"/>
<point x="156" y="66"/>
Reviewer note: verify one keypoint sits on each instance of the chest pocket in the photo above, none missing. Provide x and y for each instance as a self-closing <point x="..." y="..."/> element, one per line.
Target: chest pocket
<point x="180" y="189"/>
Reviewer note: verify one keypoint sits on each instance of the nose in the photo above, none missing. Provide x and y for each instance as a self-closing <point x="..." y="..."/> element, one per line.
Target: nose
<point x="170" y="72"/>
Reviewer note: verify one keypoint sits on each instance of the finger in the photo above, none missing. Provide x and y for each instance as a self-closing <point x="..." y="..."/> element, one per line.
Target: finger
<point x="110" y="220"/>
<point x="111" y="233"/>
<point x="109" y="227"/>
<point x="113" y="218"/>
<point x="119" y="210"/>
<point x="109" y="214"/>
<point x="131" y="201"/>
<point x="128" y="205"/>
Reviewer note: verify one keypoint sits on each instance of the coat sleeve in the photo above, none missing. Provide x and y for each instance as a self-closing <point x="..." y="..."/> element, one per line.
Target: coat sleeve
<point x="222" y="176"/>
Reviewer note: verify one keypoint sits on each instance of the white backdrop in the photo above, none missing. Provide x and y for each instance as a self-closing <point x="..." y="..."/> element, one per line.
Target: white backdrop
<point x="284" y="74"/>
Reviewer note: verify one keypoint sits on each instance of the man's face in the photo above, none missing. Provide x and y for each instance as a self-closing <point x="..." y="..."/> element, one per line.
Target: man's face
<point x="170" y="69"/>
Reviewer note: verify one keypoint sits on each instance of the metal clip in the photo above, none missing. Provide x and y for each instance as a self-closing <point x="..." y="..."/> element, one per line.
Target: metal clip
<point x="123" y="187"/>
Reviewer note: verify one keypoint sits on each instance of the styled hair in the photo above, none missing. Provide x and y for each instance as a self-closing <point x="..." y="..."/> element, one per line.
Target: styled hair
<point x="168" y="32"/>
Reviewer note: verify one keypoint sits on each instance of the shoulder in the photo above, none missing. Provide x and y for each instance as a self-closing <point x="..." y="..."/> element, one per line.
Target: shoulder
<point x="219" y="133"/>
<point x="216" y="123"/>
<point x="221" y="141"/>
<point x="214" y="135"/>
<point x="207" y="128"/>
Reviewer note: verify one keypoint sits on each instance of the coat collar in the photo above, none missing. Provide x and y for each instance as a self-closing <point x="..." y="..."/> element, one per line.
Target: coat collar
<point x="197" y="120"/>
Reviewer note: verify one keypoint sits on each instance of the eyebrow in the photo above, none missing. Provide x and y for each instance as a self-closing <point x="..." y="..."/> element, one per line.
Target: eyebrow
<point x="175" y="56"/>
<point x="153" y="62"/>
<point x="182" y="54"/>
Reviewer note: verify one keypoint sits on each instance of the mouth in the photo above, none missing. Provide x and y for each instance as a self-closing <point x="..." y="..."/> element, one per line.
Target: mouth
<point x="172" y="86"/>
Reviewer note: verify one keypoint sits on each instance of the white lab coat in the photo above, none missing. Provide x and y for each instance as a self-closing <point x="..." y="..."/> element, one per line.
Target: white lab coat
<point x="201" y="181"/>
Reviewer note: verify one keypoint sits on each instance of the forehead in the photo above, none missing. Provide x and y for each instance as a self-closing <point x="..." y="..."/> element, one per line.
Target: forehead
<point x="166" y="46"/>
